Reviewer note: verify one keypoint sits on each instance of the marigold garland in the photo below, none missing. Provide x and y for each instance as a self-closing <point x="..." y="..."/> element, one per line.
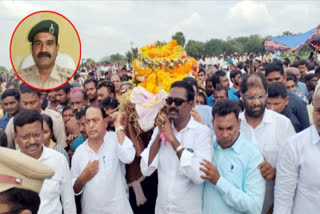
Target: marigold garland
<point x="160" y="64"/>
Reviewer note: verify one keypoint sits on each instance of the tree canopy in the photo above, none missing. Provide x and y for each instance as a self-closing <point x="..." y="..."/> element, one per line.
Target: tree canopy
<point x="117" y="58"/>
<point x="253" y="43"/>
<point x="179" y="36"/>
<point x="132" y="54"/>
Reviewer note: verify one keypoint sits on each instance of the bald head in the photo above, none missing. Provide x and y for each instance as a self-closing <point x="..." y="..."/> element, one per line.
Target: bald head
<point x="255" y="80"/>
<point x="76" y="91"/>
<point x="77" y="99"/>
<point x="294" y="71"/>
<point x="316" y="95"/>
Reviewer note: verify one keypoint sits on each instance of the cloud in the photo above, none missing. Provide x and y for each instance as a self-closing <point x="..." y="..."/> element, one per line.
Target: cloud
<point x="190" y="23"/>
<point x="107" y="27"/>
<point x="19" y="8"/>
<point x="248" y="16"/>
<point x="303" y="16"/>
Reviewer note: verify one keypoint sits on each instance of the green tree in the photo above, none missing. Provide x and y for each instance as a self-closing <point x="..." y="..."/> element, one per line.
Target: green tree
<point x="305" y="51"/>
<point x="235" y="46"/>
<point x="90" y="61"/>
<point x="194" y="48"/>
<point x="132" y="54"/>
<point x="228" y="47"/>
<point x="255" y="43"/>
<point x="117" y="57"/>
<point x="181" y="40"/>
<point x="286" y="33"/>
<point x="214" y="47"/>
<point x="3" y="69"/>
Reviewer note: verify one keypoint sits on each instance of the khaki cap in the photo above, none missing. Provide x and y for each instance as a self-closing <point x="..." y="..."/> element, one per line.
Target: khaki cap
<point x="21" y="171"/>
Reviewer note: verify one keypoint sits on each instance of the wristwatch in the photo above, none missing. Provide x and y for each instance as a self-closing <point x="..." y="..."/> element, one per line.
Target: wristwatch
<point x="119" y="128"/>
<point x="179" y="148"/>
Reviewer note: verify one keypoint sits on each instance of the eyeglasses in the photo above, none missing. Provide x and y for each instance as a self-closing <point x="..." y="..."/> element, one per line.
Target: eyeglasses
<point x="252" y="98"/>
<point x="176" y="101"/>
<point x="27" y="137"/>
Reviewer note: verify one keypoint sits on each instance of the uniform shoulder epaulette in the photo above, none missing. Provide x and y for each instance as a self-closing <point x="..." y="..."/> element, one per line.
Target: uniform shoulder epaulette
<point x="66" y="72"/>
<point x="27" y="70"/>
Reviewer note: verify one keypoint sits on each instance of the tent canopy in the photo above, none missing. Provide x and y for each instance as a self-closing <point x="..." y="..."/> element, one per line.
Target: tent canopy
<point x="294" y="42"/>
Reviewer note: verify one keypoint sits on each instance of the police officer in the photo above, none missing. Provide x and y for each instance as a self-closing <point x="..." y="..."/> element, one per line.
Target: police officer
<point x="44" y="42"/>
<point x="21" y="179"/>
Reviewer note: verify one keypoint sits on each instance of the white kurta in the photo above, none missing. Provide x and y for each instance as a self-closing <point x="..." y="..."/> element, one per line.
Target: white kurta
<point x="179" y="184"/>
<point x="269" y="137"/>
<point x="106" y="192"/>
<point x="297" y="187"/>
<point x="56" y="193"/>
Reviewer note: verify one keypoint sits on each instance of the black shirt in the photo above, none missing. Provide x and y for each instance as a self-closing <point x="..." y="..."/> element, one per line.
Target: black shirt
<point x="299" y="109"/>
<point x="295" y="122"/>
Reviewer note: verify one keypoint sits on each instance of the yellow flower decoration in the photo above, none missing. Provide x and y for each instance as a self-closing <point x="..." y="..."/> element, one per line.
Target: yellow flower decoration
<point x="160" y="64"/>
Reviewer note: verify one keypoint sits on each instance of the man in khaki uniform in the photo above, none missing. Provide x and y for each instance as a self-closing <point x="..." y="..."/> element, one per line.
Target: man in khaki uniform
<point x="21" y="177"/>
<point x="45" y="73"/>
<point x="30" y="99"/>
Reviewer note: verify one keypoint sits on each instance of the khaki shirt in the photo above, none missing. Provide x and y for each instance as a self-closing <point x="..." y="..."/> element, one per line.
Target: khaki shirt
<point x="58" y="129"/>
<point x="57" y="77"/>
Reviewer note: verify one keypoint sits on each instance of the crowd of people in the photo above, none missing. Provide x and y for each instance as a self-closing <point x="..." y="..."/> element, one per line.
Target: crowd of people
<point x="239" y="136"/>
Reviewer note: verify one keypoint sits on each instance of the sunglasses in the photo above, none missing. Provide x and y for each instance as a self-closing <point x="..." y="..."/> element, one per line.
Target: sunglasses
<point x="176" y="101"/>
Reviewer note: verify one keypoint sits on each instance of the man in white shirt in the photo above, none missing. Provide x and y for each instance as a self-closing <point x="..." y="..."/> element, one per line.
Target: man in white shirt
<point x="176" y="149"/>
<point x="207" y="61"/>
<point x="214" y="60"/>
<point x="201" y="61"/>
<point x="98" y="166"/>
<point x="56" y="193"/>
<point x="264" y="128"/>
<point x="297" y="182"/>
<point x="221" y="61"/>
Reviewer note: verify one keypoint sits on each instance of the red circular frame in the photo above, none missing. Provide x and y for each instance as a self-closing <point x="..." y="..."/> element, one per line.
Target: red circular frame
<point x="44" y="11"/>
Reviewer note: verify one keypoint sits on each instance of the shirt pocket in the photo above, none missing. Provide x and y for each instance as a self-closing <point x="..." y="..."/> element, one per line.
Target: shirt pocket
<point x="51" y="187"/>
<point x="108" y="163"/>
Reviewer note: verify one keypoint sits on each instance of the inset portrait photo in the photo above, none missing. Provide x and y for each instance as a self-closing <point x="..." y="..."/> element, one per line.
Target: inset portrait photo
<point x="45" y="50"/>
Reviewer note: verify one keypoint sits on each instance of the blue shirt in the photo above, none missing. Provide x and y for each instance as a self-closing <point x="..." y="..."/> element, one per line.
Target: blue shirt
<point x="302" y="88"/>
<point x="241" y="187"/>
<point x="231" y="94"/>
<point x="205" y="114"/>
<point x="77" y="142"/>
<point x="210" y="100"/>
<point x="4" y="121"/>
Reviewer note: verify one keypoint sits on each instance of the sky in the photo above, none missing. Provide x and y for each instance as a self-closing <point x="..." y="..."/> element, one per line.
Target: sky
<point x="108" y="27"/>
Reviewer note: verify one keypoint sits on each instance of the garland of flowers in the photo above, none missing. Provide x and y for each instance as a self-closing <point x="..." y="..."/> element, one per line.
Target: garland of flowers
<point x="160" y="64"/>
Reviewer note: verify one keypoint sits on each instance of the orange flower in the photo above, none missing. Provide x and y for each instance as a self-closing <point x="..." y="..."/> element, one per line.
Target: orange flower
<point x="160" y="64"/>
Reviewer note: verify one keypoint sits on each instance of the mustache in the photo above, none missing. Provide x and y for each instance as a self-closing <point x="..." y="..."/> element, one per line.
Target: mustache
<point x="173" y="110"/>
<point x="34" y="144"/>
<point x="41" y="54"/>
<point x="256" y="106"/>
